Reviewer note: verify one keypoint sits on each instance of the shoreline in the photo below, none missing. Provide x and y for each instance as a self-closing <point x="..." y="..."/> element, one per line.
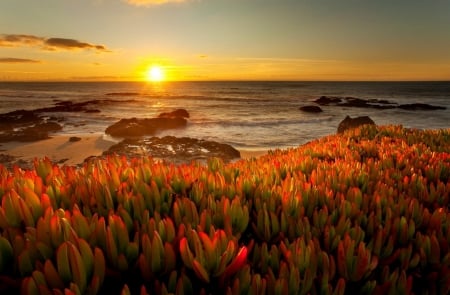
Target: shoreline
<point x="60" y="150"/>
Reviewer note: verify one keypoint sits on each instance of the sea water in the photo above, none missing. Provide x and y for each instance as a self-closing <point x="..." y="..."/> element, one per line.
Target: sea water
<point x="247" y="115"/>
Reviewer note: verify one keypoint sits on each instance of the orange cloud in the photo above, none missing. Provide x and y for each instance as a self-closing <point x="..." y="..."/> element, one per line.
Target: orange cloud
<point x="17" y="60"/>
<point x="17" y="40"/>
<point x="152" y="2"/>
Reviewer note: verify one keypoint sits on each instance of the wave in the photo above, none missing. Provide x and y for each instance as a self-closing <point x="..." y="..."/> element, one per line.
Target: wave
<point x="17" y="96"/>
<point x="123" y="94"/>
<point x="260" y="123"/>
<point x="217" y="98"/>
<point x="28" y="96"/>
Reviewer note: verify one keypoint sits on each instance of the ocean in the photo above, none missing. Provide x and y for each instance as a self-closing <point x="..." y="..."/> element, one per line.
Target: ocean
<point x="249" y="116"/>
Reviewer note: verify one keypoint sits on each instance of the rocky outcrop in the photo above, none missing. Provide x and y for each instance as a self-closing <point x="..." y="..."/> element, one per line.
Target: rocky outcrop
<point x="420" y="107"/>
<point x="179" y="113"/>
<point x="326" y="100"/>
<point x="33" y="125"/>
<point x="18" y="117"/>
<point x="141" y="127"/>
<point x="311" y="109"/>
<point x="149" y="126"/>
<point x="37" y="132"/>
<point x="178" y="150"/>
<point x="382" y="104"/>
<point x="74" y="139"/>
<point x="349" y="123"/>
<point x="25" y="126"/>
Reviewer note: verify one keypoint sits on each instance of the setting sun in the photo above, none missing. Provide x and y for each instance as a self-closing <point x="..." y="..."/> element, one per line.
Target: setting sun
<point x="155" y="74"/>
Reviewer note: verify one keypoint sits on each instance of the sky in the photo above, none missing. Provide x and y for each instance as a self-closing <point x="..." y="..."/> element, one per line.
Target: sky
<point x="115" y="40"/>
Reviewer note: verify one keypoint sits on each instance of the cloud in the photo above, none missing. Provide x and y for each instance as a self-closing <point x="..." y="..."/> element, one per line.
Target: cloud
<point x="152" y="2"/>
<point x="101" y="78"/>
<point x="16" y="40"/>
<point x="55" y="43"/>
<point x="11" y="40"/>
<point x="17" y="60"/>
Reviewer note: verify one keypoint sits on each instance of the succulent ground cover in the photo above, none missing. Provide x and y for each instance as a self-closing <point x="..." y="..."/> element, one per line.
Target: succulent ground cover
<point x="365" y="212"/>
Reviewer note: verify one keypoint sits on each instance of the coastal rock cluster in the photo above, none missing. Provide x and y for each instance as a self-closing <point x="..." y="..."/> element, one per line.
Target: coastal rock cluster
<point x="135" y="127"/>
<point x="351" y="123"/>
<point x="37" y="124"/>
<point x="355" y="102"/>
<point x="178" y="150"/>
<point x="26" y="126"/>
<point x="169" y="148"/>
<point x="382" y="104"/>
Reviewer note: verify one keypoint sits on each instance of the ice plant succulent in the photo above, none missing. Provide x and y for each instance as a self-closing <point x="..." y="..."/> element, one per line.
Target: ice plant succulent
<point x="364" y="212"/>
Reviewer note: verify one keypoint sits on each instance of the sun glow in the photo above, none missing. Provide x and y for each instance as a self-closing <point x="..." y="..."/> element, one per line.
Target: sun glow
<point x="155" y="74"/>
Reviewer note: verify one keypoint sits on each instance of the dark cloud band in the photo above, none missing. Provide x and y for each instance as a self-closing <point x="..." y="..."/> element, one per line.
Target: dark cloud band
<point x="17" y="60"/>
<point x="72" y="44"/>
<point x="18" y="40"/>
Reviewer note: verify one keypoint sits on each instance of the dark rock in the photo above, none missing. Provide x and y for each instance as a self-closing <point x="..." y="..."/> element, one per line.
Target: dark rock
<point x="174" y="149"/>
<point x="356" y="102"/>
<point x="69" y="106"/>
<point x="35" y="132"/>
<point x="23" y="125"/>
<point x="311" y="109"/>
<point x="19" y="117"/>
<point x="420" y="107"/>
<point x="32" y="125"/>
<point x="64" y="107"/>
<point x="179" y="113"/>
<point x="349" y="123"/>
<point x="74" y="139"/>
<point x="363" y="103"/>
<point x="140" y="127"/>
<point x="373" y="103"/>
<point x="46" y="127"/>
<point x="326" y="100"/>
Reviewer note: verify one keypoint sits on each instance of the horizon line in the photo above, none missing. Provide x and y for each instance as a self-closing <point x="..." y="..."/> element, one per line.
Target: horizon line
<point x="219" y="80"/>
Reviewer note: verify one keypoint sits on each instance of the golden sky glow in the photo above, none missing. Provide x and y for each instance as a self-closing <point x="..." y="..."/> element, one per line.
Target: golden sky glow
<point x="225" y="40"/>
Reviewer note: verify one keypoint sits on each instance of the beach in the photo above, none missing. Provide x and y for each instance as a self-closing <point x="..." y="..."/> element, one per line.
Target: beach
<point x="61" y="150"/>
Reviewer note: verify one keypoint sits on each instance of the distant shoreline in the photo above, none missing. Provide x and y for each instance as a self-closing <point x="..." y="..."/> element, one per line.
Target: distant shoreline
<point x="225" y="81"/>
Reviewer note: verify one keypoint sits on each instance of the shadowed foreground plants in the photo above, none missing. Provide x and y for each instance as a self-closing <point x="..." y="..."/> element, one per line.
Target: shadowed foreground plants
<point x="366" y="212"/>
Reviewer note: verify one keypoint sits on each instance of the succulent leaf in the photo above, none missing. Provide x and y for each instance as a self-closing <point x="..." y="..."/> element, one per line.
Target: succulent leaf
<point x="63" y="263"/>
